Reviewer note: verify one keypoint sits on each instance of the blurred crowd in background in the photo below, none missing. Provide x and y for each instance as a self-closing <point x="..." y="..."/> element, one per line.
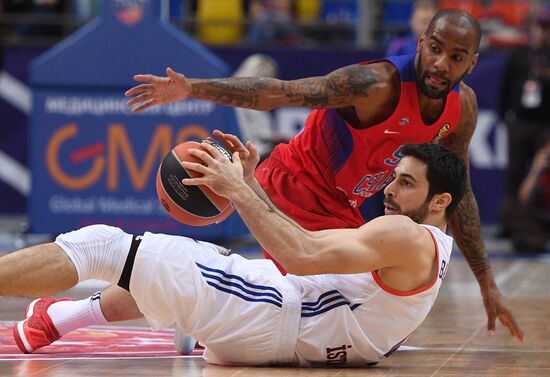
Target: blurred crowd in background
<point x="521" y="28"/>
<point x="361" y="23"/>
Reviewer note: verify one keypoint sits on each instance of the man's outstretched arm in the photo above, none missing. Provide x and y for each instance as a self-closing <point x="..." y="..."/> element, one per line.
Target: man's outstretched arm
<point x="466" y="226"/>
<point x="373" y="246"/>
<point x="342" y="87"/>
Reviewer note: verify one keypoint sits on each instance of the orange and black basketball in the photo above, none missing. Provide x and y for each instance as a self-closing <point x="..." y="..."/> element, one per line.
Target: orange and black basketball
<point x="190" y="205"/>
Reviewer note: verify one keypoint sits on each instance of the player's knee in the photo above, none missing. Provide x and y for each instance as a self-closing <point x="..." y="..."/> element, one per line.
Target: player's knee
<point x="96" y="250"/>
<point x="91" y="233"/>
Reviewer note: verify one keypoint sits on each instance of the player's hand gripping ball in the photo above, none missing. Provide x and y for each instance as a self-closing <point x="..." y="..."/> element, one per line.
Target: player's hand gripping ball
<point x="190" y="205"/>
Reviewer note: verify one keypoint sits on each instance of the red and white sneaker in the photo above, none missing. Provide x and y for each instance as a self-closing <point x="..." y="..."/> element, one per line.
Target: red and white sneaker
<point x="37" y="330"/>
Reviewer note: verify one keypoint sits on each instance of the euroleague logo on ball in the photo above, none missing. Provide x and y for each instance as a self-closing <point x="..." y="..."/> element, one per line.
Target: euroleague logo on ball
<point x="219" y="148"/>
<point x="190" y="205"/>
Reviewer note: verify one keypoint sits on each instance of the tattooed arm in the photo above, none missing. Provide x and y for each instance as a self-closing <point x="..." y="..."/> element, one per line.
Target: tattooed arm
<point x="346" y="86"/>
<point x="466" y="225"/>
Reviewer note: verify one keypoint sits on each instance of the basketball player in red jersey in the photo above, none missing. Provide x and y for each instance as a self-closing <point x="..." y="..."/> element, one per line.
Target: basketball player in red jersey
<point x="350" y="143"/>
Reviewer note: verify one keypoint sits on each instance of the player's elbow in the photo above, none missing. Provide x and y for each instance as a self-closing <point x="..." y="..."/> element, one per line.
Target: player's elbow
<point x="298" y="269"/>
<point x="293" y="269"/>
<point x="296" y="264"/>
<point x="307" y="259"/>
<point x="302" y="259"/>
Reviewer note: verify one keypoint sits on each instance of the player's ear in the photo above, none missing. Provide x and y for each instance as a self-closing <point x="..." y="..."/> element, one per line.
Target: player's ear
<point x="473" y="62"/>
<point x="441" y="201"/>
<point x="420" y="41"/>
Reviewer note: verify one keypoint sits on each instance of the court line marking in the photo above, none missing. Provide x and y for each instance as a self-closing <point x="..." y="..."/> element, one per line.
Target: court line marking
<point x="132" y="329"/>
<point x="458" y="350"/>
<point x="128" y="353"/>
<point x="30" y="357"/>
<point x="530" y="257"/>
<point x="510" y="272"/>
<point x="452" y="349"/>
<point x="455" y="350"/>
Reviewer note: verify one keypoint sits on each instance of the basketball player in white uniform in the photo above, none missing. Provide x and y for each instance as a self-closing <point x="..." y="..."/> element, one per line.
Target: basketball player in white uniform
<point x="351" y="298"/>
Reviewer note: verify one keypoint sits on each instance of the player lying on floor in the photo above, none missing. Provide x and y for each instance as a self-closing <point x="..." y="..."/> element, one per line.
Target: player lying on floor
<point x="352" y="296"/>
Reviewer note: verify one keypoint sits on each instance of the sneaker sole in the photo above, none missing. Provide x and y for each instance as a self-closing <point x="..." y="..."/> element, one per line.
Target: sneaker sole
<point x="19" y="330"/>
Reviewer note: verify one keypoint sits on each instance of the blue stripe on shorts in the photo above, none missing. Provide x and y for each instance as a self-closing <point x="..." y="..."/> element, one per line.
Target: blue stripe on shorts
<point x="236" y="285"/>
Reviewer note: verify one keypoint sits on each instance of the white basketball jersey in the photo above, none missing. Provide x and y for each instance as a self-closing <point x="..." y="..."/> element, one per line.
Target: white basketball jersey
<point x="356" y="320"/>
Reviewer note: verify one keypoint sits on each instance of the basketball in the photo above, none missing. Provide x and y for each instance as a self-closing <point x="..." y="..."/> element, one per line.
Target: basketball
<point x="190" y="205"/>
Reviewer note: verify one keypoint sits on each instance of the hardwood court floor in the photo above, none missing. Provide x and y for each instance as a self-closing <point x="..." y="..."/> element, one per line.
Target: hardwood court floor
<point x="451" y="342"/>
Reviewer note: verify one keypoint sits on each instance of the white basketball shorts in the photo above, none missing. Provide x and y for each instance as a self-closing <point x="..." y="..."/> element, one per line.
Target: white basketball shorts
<point x="243" y="311"/>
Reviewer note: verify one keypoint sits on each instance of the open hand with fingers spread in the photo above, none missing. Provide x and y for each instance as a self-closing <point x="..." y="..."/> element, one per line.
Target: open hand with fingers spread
<point x="156" y="90"/>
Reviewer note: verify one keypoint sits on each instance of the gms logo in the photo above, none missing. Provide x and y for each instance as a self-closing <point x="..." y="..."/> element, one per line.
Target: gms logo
<point x="76" y="163"/>
<point x="129" y="12"/>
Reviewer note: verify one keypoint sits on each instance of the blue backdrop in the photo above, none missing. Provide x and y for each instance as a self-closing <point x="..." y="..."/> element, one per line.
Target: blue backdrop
<point x="81" y="123"/>
<point x="93" y="160"/>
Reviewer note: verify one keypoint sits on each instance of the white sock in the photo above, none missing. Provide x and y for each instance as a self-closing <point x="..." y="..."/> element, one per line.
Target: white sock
<point x="71" y="315"/>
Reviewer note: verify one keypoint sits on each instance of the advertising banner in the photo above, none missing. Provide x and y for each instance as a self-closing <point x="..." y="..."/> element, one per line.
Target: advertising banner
<point x="92" y="159"/>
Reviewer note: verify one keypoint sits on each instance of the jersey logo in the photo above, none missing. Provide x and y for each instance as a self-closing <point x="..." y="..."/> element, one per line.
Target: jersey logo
<point x="404" y="122"/>
<point x="443" y="270"/>
<point x="390" y="132"/>
<point x="442" y="132"/>
<point x="372" y="183"/>
<point x="395" y="158"/>
<point x="96" y="296"/>
<point x="338" y="355"/>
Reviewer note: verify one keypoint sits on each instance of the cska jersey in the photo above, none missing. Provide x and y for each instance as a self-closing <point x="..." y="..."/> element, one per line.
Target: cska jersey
<point x="343" y="166"/>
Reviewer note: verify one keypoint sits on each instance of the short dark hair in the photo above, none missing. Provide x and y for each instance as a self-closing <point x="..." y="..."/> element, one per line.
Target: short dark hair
<point x="446" y="171"/>
<point x="424" y="4"/>
<point x="461" y="18"/>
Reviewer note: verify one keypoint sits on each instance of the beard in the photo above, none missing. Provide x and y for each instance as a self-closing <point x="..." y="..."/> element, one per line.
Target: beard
<point x="418" y="215"/>
<point x="430" y="91"/>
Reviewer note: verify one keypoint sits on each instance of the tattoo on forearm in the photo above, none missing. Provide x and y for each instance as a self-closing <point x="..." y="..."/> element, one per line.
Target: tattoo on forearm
<point x="337" y="89"/>
<point x="334" y="90"/>
<point x="356" y="80"/>
<point x="306" y="92"/>
<point x="467" y="232"/>
<point x="465" y="222"/>
<point x="240" y="92"/>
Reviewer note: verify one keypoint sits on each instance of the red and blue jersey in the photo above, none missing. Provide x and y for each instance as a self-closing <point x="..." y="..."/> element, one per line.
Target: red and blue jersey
<point x="343" y="166"/>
